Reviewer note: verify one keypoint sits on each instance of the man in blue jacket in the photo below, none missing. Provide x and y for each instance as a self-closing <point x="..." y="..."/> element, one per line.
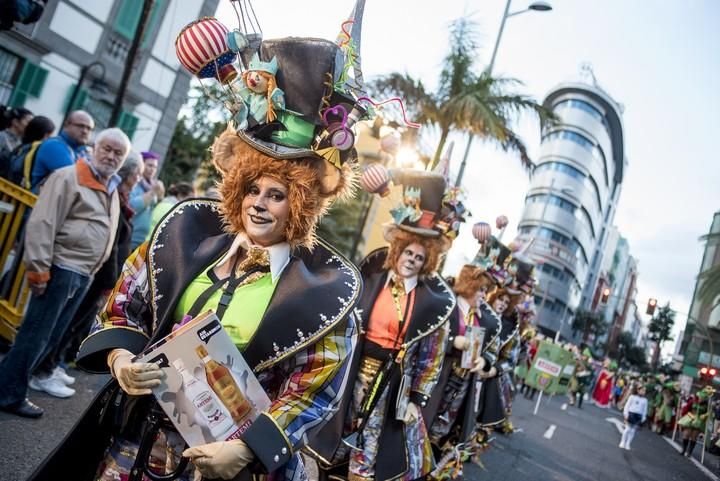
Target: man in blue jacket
<point x="64" y="149"/>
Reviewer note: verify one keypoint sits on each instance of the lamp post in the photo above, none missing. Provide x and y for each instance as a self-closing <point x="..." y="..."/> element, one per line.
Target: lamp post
<point x="538" y="6"/>
<point x="83" y="73"/>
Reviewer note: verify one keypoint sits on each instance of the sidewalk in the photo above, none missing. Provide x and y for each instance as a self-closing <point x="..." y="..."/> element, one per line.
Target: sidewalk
<point x="26" y="442"/>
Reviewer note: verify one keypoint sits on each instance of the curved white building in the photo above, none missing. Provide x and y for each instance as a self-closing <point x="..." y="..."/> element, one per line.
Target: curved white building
<point x="572" y="199"/>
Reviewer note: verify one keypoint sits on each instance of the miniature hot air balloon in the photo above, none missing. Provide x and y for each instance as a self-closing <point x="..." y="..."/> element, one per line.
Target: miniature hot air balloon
<point x="375" y="179"/>
<point x="203" y="50"/>
<point x="481" y="231"/>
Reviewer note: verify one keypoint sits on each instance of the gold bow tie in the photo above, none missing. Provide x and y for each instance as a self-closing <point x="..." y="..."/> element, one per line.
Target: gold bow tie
<point x="255" y="257"/>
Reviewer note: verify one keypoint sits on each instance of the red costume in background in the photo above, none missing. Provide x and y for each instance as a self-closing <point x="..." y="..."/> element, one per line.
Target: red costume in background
<point x="603" y="389"/>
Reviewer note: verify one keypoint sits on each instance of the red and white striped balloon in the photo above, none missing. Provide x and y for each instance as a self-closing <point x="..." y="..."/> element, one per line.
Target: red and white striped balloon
<point x="375" y="179"/>
<point x="203" y="50"/>
<point x="501" y="222"/>
<point x="482" y="231"/>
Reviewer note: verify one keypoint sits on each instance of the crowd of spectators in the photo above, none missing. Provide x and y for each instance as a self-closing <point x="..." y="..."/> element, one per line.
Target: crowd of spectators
<point x="97" y="200"/>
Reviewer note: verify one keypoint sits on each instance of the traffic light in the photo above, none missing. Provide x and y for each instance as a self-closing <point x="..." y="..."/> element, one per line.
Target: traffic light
<point x="605" y="295"/>
<point x="708" y="373"/>
<point x="652" y="304"/>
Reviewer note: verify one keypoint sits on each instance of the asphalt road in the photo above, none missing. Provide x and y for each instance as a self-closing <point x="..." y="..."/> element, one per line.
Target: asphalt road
<point x="582" y="446"/>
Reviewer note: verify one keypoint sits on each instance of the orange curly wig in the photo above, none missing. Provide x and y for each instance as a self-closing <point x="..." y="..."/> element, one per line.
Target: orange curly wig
<point x="434" y="247"/>
<point x="470" y="280"/>
<point x="309" y="192"/>
<point x="494" y="295"/>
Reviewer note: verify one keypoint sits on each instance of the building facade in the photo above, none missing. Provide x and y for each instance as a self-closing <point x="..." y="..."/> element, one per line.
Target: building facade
<point x="700" y="345"/>
<point x="571" y="201"/>
<point x="41" y="64"/>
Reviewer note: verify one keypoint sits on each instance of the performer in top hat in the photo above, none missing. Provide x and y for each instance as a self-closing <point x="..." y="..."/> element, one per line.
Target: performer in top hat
<point x="404" y="310"/>
<point x="285" y="297"/>
<point x="453" y="409"/>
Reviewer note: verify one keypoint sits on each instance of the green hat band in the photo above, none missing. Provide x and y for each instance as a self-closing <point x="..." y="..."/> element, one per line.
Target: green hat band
<point x="300" y="133"/>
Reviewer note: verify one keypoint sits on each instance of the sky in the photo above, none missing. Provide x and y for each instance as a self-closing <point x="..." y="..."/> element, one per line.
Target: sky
<point x="658" y="58"/>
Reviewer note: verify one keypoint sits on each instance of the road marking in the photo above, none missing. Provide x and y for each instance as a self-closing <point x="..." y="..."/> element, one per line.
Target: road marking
<point x="618" y="424"/>
<point x="550" y="431"/>
<point x="563" y="407"/>
<point x="697" y="463"/>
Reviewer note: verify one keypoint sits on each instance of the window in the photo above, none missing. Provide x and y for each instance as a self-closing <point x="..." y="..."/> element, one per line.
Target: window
<point x="9" y="64"/>
<point x="571" y="244"/>
<point x="128" y="17"/>
<point x="553" y="200"/>
<point x="586" y="107"/>
<point x="30" y="83"/>
<point x="560" y="167"/>
<point x="583" y="142"/>
<point x="101" y="111"/>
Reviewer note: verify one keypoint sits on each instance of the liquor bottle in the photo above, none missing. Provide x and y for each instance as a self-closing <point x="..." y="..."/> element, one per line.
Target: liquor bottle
<point x="221" y="426"/>
<point x="224" y="385"/>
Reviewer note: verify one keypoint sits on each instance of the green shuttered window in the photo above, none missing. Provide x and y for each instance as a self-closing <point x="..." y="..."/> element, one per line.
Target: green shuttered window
<point x="30" y="83"/>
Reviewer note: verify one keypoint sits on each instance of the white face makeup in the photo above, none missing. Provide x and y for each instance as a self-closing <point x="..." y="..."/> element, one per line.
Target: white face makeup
<point x="411" y="261"/>
<point x="265" y="211"/>
<point x="501" y="304"/>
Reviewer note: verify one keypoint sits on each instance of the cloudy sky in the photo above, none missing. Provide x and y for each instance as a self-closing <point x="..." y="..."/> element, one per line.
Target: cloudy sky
<point x="658" y="58"/>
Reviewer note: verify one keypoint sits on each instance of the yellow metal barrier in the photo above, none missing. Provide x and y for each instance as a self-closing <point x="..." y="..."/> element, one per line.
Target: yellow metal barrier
<point x="14" y="291"/>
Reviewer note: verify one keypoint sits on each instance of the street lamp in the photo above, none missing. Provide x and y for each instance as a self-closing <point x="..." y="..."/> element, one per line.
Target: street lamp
<point x="83" y="72"/>
<point x="537" y="6"/>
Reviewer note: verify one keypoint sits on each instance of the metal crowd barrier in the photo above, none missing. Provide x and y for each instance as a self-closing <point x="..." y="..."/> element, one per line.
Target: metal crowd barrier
<point x="14" y="290"/>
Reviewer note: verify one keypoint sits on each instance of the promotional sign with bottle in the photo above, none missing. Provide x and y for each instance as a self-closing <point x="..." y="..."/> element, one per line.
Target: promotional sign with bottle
<point x="209" y="392"/>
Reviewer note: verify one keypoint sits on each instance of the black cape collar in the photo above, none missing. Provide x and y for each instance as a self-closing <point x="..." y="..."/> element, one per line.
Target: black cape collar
<point x="490" y="321"/>
<point x="315" y="292"/>
<point x="434" y="300"/>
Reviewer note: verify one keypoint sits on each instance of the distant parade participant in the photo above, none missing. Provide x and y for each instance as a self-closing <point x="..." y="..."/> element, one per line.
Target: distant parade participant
<point x="520" y="288"/>
<point x="663" y="416"/>
<point x="582" y="377"/>
<point x="491" y="412"/>
<point x="453" y="410"/>
<point x="634" y="412"/>
<point x="404" y="309"/>
<point x="604" y="385"/>
<point x="695" y="415"/>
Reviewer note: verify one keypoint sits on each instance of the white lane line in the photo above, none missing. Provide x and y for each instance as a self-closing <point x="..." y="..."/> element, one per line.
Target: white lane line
<point x="550" y="431"/>
<point x="618" y="424"/>
<point x="697" y="463"/>
<point x="563" y="407"/>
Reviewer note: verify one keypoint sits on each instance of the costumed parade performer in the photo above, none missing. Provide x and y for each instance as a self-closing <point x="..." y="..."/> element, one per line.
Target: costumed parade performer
<point x="490" y="410"/>
<point x="285" y="297"/>
<point x="664" y="413"/>
<point x="453" y="409"/>
<point x="604" y="385"/>
<point x="404" y="310"/>
<point x="520" y="289"/>
<point x="582" y="377"/>
<point x="695" y="414"/>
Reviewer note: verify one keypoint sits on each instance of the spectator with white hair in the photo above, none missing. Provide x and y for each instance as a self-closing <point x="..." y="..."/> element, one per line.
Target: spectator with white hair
<point x="69" y="235"/>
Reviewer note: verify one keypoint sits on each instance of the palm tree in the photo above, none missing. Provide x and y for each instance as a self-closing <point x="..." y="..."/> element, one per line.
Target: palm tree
<point x="465" y="101"/>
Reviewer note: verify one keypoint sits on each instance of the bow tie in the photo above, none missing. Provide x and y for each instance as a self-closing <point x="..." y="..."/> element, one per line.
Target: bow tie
<point x="257" y="259"/>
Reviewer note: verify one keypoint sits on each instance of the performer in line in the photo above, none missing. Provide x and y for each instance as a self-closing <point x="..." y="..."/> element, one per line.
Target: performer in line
<point x="694" y="418"/>
<point x="453" y="408"/>
<point x="285" y="297"/>
<point x="404" y="310"/>
<point x="604" y="385"/>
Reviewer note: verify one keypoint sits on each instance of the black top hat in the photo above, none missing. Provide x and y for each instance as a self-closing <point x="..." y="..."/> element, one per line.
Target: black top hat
<point x="422" y="202"/>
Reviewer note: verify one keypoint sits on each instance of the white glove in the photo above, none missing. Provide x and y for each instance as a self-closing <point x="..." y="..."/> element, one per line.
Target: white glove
<point x="223" y="459"/>
<point x="461" y="343"/>
<point x="479" y="365"/>
<point x="134" y="378"/>
<point x="412" y="413"/>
